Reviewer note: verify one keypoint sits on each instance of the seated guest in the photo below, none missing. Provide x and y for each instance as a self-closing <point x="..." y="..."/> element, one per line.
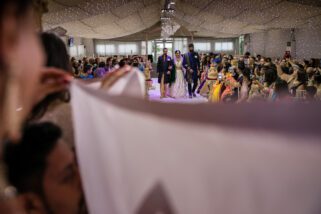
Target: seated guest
<point x="109" y="64"/>
<point x="75" y="68"/>
<point x="210" y="78"/>
<point x="96" y="64"/>
<point x="87" y="72"/>
<point x="141" y="65"/>
<point x="101" y="70"/>
<point x="281" y="91"/>
<point x="147" y="73"/>
<point x="85" y="61"/>
<point x="92" y="61"/>
<point x="122" y="63"/>
<point x="246" y="85"/>
<point x="136" y="64"/>
<point x="300" y="83"/>
<point x="114" y="62"/>
<point x="284" y="72"/>
<point x="44" y="171"/>
<point x="230" y="94"/>
<point x="80" y="66"/>
<point x="268" y="89"/>
<point x="255" y="93"/>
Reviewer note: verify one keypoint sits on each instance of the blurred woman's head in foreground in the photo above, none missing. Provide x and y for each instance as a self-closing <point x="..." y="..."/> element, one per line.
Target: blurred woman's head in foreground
<point x="21" y="59"/>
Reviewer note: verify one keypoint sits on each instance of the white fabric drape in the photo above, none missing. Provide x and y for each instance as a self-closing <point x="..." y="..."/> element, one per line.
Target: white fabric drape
<point x="135" y="158"/>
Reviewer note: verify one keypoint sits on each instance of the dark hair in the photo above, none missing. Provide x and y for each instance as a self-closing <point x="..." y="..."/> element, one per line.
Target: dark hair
<point x="177" y="51"/>
<point x="311" y="92"/>
<point x="26" y="161"/>
<point x="191" y="45"/>
<point x="57" y="57"/>
<point x="315" y="63"/>
<point x="268" y="59"/>
<point x="317" y="78"/>
<point x="300" y="66"/>
<point x="273" y="66"/>
<point x="102" y="65"/>
<point x="122" y="63"/>
<point x="270" y="76"/>
<point x="20" y="7"/>
<point x="281" y="88"/>
<point x="165" y="49"/>
<point x="114" y="62"/>
<point x="56" y="51"/>
<point x="307" y="63"/>
<point x="109" y="59"/>
<point x="247" y="73"/>
<point x="135" y="63"/>
<point x="302" y="76"/>
<point x="87" y="68"/>
<point x="285" y="69"/>
<point x="241" y="65"/>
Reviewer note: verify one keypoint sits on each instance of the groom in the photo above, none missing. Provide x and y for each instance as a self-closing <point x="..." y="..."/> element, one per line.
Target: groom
<point x="192" y="65"/>
<point x="164" y="69"/>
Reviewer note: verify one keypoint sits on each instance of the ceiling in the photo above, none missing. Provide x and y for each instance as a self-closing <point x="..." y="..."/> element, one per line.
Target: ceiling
<point x="130" y="19"/>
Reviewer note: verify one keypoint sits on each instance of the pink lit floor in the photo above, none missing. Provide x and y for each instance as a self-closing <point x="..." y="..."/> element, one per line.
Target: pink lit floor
<point x="154" y="95"/>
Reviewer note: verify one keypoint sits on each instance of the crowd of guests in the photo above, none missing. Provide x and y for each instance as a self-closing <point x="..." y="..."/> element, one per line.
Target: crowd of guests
<point x="89" y="68"/>
<point x="225" y="78"/>
<point x="218" y="77"/>
<point x="238" y="79"/>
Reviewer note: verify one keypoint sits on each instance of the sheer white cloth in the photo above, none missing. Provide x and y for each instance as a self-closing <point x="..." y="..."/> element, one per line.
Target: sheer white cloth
<point x="200" y="167"/>
<point x="178" y="89"/>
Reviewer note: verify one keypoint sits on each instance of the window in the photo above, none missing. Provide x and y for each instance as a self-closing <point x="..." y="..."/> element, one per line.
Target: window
<point x="101" y="50"/>
<point x="202" y="46"/>
<point x="81" y="50"/>
<point x="150" y="47"/>
<point x="110" y="49"/>
<point x="129" y="48"/>
<point x="180" y="44"/>
<point x="77" y="51"/>
<point x="104" y="50"/>
<point x="73" y="51"/>
<point x="223" y="46"/>
<point x="117" y="48"/>
<point x="143" y="48"/>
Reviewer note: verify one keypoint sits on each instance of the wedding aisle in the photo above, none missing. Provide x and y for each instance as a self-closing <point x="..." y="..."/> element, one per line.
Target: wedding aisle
<point x="154" y="95"/>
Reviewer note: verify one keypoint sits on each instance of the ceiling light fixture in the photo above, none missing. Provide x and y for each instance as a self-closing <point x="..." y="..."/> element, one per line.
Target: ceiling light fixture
<point x="169" y="26"/>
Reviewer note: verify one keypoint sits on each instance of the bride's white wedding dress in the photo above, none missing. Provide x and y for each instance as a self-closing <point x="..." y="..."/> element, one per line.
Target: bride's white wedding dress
<point x="178" y="89"/>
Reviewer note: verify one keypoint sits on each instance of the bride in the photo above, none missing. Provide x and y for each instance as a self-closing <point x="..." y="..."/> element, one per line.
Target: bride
<point x="178" y="88"/>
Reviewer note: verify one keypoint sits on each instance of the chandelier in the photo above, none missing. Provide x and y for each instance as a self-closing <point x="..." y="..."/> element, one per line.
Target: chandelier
<point x="169" y="26"/>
